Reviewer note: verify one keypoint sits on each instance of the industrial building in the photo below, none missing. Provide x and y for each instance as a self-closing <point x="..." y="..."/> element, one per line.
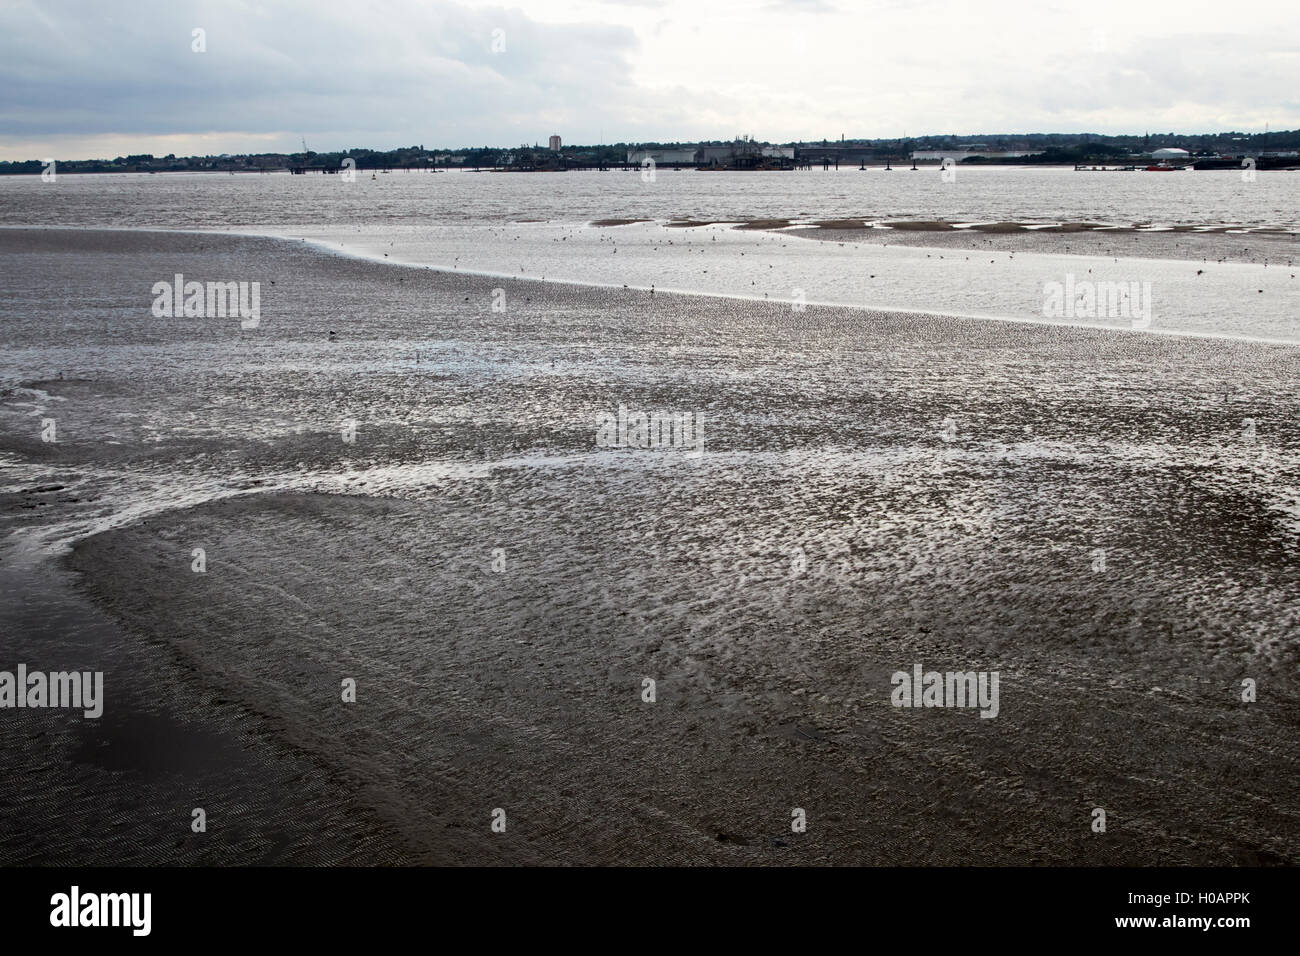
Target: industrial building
<point x="729" y="154"/>
<point x="957" y="155"/>
<point x="662" y="157"/>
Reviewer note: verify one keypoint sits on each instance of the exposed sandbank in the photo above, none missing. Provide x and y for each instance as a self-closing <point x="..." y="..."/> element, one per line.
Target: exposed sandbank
<point x="522" y="690"/>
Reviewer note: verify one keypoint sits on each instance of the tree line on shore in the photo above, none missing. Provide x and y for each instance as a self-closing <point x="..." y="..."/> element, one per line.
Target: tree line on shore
<point x="1048" y="147"/>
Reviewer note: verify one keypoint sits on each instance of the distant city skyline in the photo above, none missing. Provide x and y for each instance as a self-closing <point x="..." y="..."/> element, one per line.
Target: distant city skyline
<point x="192" y="79"/>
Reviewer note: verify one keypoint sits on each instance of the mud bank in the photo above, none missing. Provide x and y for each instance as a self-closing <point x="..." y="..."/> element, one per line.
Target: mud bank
<point x="878" y="490"/>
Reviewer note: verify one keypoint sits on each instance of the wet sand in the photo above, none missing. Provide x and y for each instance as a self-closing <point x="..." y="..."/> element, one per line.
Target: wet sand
<point x="522" y="690"/>
<point x="1280" y="249"/>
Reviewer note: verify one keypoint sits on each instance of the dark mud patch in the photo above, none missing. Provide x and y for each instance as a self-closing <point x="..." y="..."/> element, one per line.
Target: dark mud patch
<point x="918" y="225"/>
<point x="764" y="224"/>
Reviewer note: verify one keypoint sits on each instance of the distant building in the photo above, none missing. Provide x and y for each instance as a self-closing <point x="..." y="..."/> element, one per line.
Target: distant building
<point x="839" y="153"/>
<point x="1171" y="154"/>
<point x="555" y="144"/>
<point x="957" y="155"/>
<point x="710" y="155"/>
<point x="684" y="154"/>
<point x="746" y="154"/>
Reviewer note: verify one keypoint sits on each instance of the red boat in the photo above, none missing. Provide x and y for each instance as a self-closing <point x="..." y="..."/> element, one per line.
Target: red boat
<point x="1162" y="168"/>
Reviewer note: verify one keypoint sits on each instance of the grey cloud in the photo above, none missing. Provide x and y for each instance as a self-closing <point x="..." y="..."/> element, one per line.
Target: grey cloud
<point x="399" y="65"/>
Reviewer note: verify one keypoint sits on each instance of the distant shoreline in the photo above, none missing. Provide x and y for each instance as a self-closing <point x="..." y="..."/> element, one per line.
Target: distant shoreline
<point x="901" y="165"/>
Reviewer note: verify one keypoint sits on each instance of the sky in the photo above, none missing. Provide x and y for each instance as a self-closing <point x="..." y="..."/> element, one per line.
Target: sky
<point x="85" y="79"/>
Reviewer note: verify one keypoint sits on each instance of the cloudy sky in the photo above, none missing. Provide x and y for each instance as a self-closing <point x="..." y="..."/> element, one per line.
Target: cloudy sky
<point x="91" y="79"/>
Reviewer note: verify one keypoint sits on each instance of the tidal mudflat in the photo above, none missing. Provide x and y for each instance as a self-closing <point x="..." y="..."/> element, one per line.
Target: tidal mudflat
<point x="417" y="503"/>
